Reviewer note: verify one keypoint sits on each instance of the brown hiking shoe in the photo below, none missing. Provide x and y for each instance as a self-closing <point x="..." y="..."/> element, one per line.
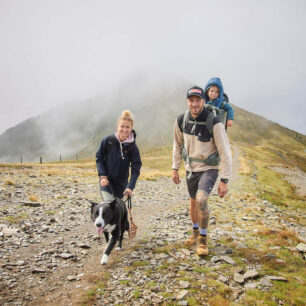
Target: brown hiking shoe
<point x="202" y="245"/>
<point x="192" y="238"/>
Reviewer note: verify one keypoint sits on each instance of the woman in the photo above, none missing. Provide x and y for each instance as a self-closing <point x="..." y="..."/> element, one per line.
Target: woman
<point x="115" y="156"/>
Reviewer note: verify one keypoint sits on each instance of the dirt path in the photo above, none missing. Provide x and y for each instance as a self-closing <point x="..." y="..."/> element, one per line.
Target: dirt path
<point x="34" y="271"/>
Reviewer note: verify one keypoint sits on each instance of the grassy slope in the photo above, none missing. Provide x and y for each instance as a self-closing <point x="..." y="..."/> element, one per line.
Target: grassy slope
<point x="266" y="144"/>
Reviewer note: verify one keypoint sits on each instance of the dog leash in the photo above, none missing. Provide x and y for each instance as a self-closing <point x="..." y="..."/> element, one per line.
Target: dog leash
<point x="133" y="226"/>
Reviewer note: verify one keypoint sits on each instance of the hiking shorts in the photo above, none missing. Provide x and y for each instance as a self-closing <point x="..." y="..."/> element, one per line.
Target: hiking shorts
<point x="201" y="181"/>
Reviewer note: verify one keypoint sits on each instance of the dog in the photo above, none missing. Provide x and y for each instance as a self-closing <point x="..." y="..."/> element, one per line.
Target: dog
<point x="110" y="218"/>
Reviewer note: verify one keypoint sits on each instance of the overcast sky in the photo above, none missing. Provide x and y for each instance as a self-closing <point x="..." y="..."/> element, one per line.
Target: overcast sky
<point x="53" y="52"/>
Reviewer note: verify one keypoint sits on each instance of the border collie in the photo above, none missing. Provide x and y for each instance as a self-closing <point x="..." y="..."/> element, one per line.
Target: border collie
<point x="110" y="218"/>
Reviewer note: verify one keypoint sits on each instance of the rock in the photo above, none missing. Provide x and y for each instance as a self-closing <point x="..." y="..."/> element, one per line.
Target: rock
<point x="301" y="247"/>
<point x="186" y="252"/>
<point x="215" y="259"/>
<point x="183" y="303"/>
<point x="84" y="246"/>
<point x="277" y="278"/>
<point x="37" y="271"/>
<point x="65" y="255"/>
<point x="161" y="256"/>
<point x="250" y="274"/>
<point x="223" y="279"/>
<point x="31" y="204"/>
<point x="20" y="263"/>
<point x="238" y="278"/>
<point x="228" y="260"/>
<point x="8" y="232"/>
<point x="280" y="261"/>
<point x="265" y="282"/>
<point x="248" y="219"/>
<point x="71" y="278"/>
<point x="274" y="248"/>
<point x="250" y="285"/>
<point x="238" y="270"/>
<point x="182" y="294"/>
<point x="184" y="284"/>
<point x="212" y="220"/>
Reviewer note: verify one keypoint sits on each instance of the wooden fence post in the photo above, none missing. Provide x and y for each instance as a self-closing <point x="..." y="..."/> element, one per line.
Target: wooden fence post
<point x="21" y="159"/>
<point x="60" y="158"/>
<point x="40" y="160"/>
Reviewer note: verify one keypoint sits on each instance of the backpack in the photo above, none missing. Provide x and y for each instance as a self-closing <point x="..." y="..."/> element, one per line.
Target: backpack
<point x="214" y="158"/>
<point x="221" y="112"/>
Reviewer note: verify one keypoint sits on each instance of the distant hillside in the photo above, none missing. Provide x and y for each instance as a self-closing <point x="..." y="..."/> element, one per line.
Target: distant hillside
<point x="77" y="128"/>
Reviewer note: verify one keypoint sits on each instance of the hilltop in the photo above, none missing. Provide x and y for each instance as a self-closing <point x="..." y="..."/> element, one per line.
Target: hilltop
<point x="75" y="129"/>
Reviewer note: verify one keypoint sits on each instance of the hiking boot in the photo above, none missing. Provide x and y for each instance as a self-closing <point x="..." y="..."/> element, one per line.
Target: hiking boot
<point x="202" y="245"/>
<point x="192" y="238"/>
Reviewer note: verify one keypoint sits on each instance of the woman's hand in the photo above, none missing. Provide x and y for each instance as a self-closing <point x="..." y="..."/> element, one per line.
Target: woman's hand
<point x="104" y="181"/>
<point x="128" y="192"/>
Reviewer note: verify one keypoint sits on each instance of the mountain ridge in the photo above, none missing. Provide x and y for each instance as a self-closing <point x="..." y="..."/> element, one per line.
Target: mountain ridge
<point x="76" y="129"/>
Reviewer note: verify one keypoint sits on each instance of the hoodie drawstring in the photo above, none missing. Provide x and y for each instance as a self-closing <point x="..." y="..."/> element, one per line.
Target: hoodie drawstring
<point x="121" y="150"/>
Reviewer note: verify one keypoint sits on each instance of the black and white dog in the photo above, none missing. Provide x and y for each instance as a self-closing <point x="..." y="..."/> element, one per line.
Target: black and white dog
<point x="110" y="218"/>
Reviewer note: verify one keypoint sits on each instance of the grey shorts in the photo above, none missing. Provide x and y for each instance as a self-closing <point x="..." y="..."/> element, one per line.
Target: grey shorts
<point x="202" y="181"/>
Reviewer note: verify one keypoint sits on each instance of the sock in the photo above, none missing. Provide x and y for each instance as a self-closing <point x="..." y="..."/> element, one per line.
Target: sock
<point x="203" y="231"/>
<point x="195" y="225"/>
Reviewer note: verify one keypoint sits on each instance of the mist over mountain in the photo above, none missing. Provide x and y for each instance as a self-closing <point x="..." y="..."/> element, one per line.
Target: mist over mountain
<point x="77" y="128"/>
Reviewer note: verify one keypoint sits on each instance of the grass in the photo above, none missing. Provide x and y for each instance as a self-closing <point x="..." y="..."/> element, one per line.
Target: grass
<point x="33" y="198"/>
<point x="16" y="218"/>
<point x="271" y="185"/>
<point x="9" y="182"/>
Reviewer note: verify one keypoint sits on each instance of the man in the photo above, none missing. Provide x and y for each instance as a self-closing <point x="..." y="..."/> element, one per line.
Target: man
<point x="200" y="138"/>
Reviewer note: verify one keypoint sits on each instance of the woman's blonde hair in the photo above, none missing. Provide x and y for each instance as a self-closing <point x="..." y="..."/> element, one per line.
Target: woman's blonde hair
<point x="126" y="115"/>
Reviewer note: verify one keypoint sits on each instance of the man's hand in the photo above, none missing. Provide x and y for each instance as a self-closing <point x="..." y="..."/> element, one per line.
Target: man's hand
<point x="222" y="189"/>
<point x="175" y="177"/>
<point x="128" y="192"/>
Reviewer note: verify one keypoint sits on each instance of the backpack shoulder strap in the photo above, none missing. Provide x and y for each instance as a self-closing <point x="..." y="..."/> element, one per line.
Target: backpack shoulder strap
<point x="180" y="122"/>
<point x="212" y="113"/>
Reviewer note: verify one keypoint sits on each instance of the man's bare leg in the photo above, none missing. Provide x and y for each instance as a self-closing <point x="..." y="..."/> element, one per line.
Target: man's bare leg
<point x="203" y="217"/>
<point x="193" y="210"/>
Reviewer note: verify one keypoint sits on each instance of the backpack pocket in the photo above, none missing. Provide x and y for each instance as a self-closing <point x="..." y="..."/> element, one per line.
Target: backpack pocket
<point x="203" y="137"/>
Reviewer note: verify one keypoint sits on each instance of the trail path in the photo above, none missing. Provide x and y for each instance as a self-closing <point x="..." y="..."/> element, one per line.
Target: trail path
<point x="51" y="255"/>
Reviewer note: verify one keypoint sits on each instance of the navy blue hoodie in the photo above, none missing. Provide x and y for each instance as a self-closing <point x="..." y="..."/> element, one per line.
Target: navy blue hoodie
<point x="115" y="164"/>
<point x="218" y="102"/>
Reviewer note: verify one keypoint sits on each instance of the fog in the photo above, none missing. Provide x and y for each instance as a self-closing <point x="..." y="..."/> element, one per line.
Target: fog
<point x="58" y="52"/>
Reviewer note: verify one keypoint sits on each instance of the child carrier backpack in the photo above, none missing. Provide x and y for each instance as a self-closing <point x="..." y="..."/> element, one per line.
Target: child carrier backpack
<point x="221" y="112"/>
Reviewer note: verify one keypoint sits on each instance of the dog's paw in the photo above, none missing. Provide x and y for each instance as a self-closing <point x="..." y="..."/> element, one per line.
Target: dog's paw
<point x="104" y="259"/>
<point x="118" y="249"/>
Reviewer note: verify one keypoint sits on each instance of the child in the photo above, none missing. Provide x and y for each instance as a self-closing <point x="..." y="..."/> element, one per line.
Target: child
<point x="214" y="95"/>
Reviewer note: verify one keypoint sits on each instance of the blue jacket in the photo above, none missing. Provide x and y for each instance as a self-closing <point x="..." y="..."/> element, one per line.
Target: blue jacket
<point x="115" y="164"/>
<point x="218" y="102"/>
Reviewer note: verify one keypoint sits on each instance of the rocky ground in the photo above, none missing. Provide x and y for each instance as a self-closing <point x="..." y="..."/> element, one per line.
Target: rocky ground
<point x="50" y="251"/>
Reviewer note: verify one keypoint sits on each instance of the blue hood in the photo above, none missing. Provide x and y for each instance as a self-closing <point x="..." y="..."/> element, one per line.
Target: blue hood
<point x="215" y="82"/>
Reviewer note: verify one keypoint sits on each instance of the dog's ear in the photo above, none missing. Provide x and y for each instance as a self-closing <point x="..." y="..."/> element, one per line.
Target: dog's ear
<point x="93" y="204"/>
<point x="112" y="204"/>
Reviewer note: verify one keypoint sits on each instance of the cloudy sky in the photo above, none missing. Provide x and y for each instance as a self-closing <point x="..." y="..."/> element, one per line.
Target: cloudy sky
<point x="58" y="51"/>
